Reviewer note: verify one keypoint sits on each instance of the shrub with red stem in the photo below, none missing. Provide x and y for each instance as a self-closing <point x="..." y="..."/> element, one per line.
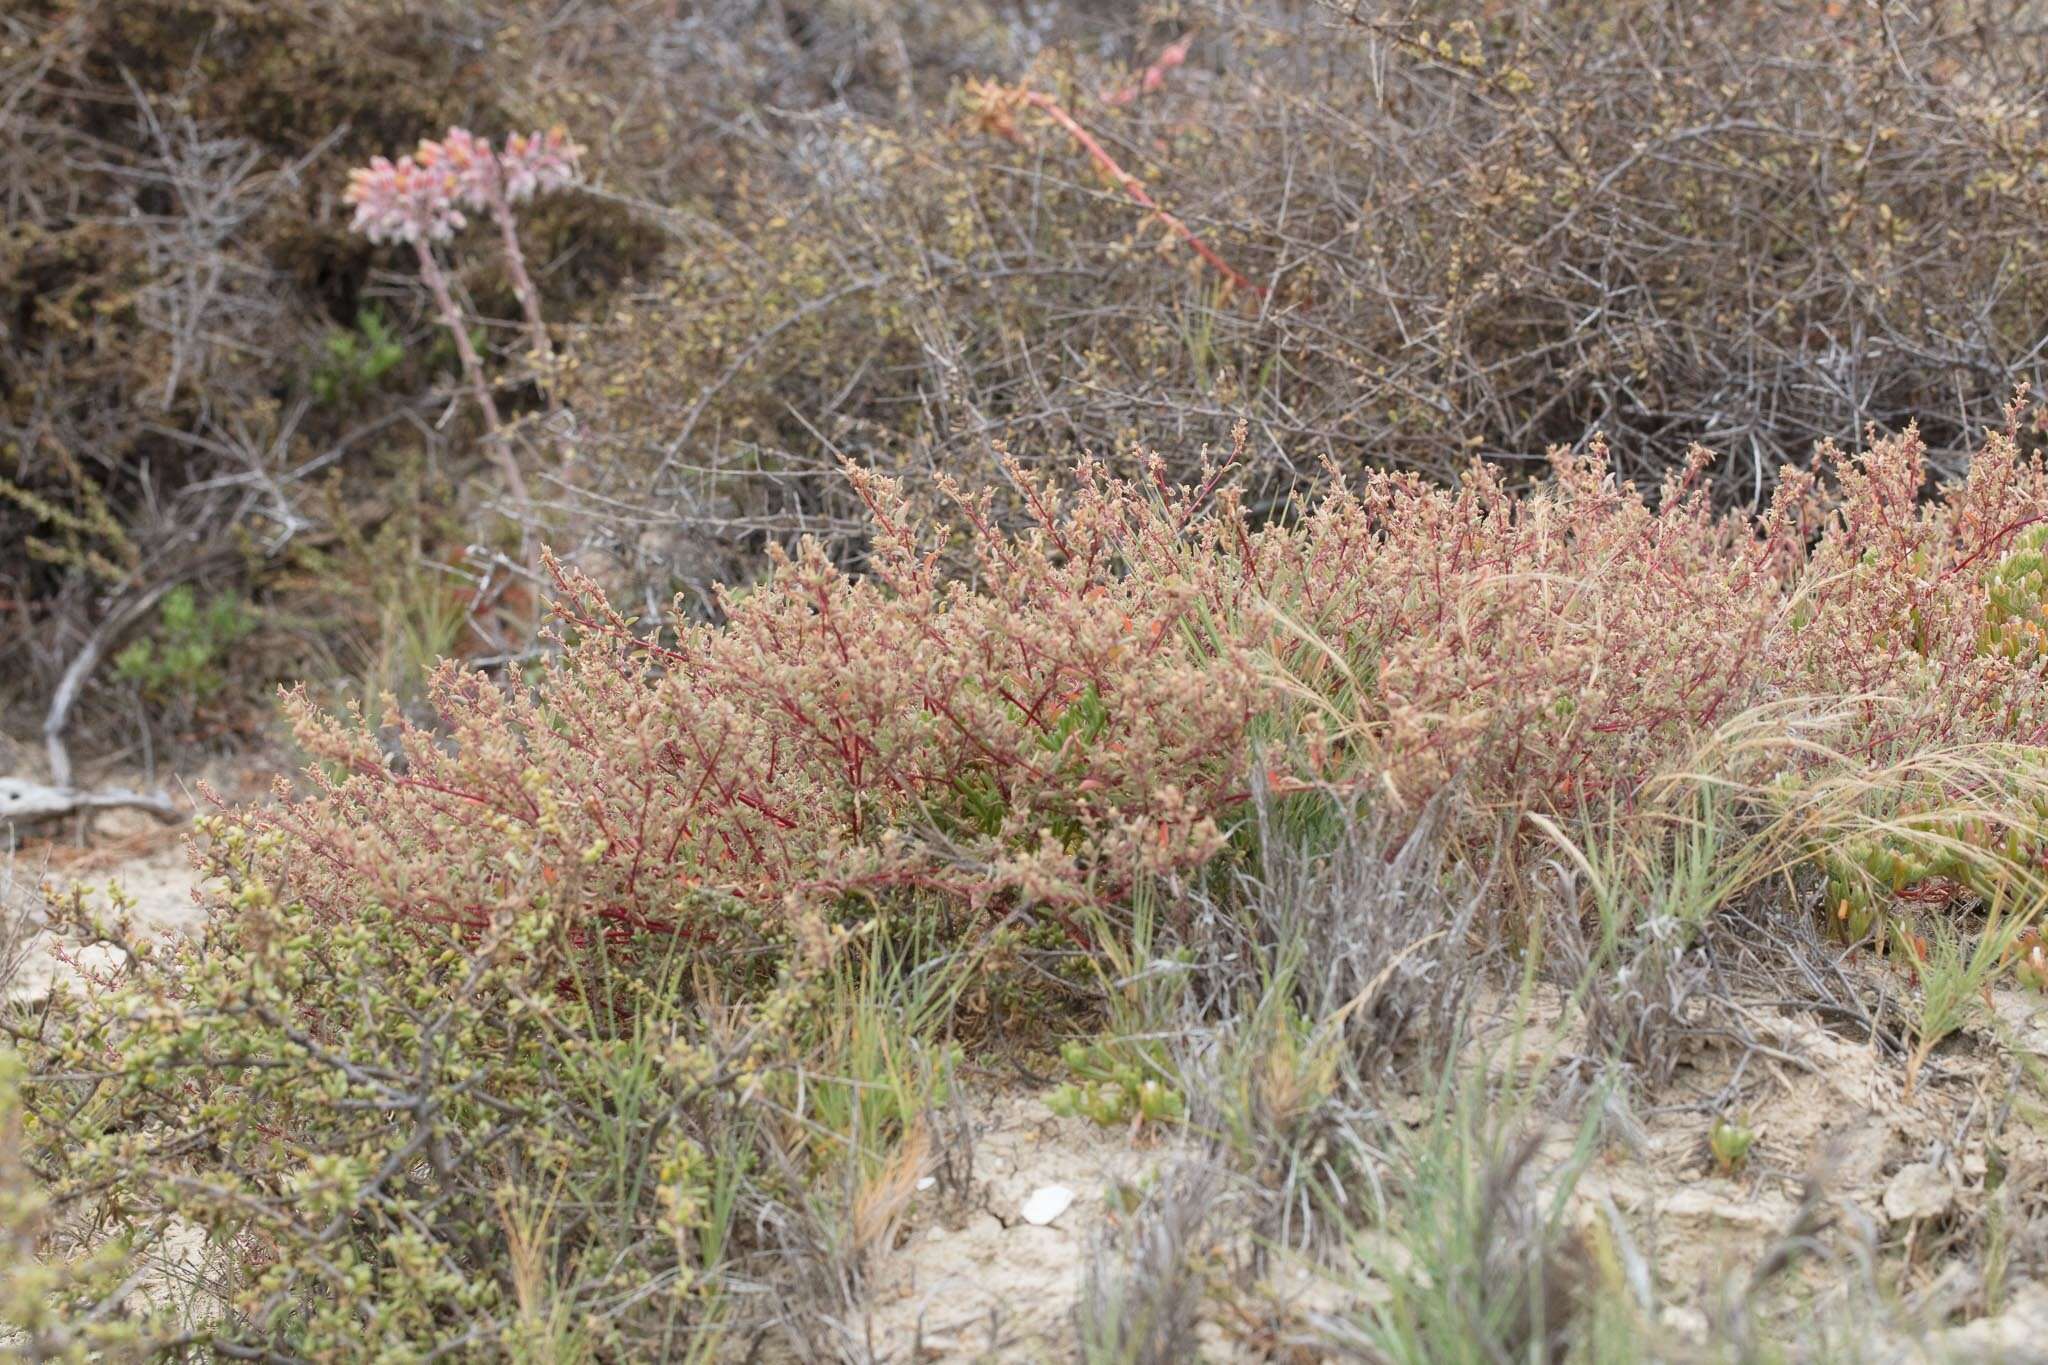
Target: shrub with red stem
<point x="997" y="107"/>
<point x="1081" y="712"/>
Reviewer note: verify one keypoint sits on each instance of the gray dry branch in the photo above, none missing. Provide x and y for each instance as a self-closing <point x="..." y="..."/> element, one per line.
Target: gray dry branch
<point x="26" y="803"/>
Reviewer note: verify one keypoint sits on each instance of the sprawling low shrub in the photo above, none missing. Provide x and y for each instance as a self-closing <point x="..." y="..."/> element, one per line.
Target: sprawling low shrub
<point x="1051" y="731"/>
<point x="1082" y="709"/>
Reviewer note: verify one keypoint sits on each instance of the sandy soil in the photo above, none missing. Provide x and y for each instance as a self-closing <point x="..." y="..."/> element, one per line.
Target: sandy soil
<point x="977" y="1280"/>
<point x="973" y="1281"/>
<point x="150" y="863"/>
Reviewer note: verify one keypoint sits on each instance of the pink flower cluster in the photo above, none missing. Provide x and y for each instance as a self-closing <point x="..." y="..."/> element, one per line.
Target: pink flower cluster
<point x="538" y="162"/>
<point x="421" y="196"/>
<point x="402" y="201"/>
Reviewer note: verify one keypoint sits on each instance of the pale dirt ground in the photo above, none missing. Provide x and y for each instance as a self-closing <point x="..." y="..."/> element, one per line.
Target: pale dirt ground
<point x="970" y="1279"/>
<point x="975" y="1280"/>
<point x="161" y="880"/>
<point x="144" y="855"/>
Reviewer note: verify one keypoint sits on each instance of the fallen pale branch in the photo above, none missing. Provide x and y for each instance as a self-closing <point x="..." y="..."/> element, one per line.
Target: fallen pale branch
<point x="25" y="802"/>
<point x="112" y="629"/>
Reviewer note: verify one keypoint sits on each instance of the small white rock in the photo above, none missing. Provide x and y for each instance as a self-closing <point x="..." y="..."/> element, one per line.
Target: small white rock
<point x="1919" y="1190"/>
<point x="1046" y="1203"/>
<point x="1686" y="1322"/>
<point x="926" y="1182"/>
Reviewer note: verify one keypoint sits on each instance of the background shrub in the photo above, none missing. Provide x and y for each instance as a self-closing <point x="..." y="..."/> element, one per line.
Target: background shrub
<point x="1478" y="235"/>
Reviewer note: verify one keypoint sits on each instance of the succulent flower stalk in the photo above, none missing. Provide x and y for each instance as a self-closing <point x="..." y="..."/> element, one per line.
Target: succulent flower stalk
<point x="421" y="199"/>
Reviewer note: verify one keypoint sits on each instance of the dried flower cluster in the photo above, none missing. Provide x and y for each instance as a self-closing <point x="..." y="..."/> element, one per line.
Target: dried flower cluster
<point x="536" y="162"/>
<point x="403" y="201"/>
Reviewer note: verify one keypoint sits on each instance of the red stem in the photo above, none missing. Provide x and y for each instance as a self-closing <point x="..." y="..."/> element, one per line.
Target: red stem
<point x="1135" y="188"/>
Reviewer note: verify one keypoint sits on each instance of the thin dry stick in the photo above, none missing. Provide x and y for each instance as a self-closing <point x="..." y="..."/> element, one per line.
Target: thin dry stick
<point x="541" y="345"/>
<point x="1135" y="188"/>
